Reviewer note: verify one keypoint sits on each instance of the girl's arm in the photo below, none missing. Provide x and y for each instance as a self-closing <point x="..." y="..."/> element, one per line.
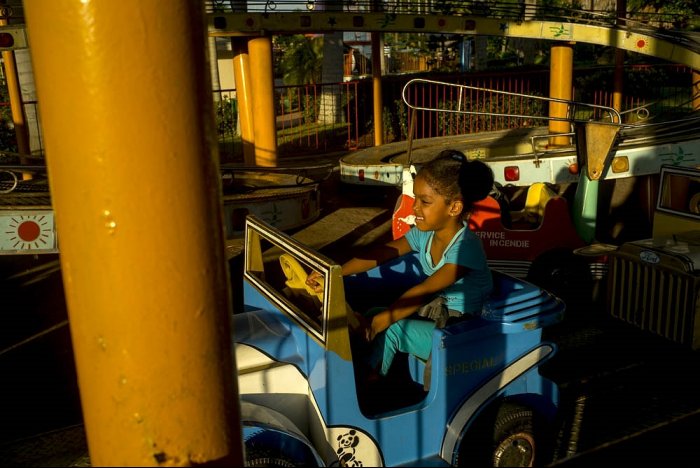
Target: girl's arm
<point x="374" y="256"/>
<point x="415" y="297"/>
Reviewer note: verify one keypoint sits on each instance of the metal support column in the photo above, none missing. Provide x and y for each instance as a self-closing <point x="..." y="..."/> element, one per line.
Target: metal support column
<point x="696" y="90"/>
<point x="619" y="75"/>
<point x="244" y="97"/>
<point x="561" y="87"/>
<point x="263" y="92"/>
<point x="137" y="195"/>
<point x="377" y="51"/>
<point x="16" y="104"/>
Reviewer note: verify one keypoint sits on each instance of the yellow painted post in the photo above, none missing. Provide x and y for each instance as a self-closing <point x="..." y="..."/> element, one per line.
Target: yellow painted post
<point x="560" y="87"/>
<point x="377" y="51"/>
<point x="16" y="105"/>
<point x="619" y="75"/>
<point x="242" y="78"/>
<point x="696" y="90"/>
<point x="133" y="169"/>
<point x="263" y="91"/>
<point x="619" y="79"/>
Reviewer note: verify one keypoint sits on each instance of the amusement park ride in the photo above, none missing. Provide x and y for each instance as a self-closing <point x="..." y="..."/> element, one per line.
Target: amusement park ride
<point x="604" y="150"/>
<point x="539" y="239"/>
<point x="294" y="369"/>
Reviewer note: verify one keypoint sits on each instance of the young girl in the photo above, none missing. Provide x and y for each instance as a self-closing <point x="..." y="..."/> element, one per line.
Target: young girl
<point x="451" y="256"/>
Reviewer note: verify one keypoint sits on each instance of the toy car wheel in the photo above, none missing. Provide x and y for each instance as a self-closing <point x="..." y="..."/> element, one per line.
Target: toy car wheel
<point x="277" y="449"/>
<point x="509" y="437"/>
<point x="514" y="439"/>
<point x="259" y="457"/>
<point x="260" y="460"/>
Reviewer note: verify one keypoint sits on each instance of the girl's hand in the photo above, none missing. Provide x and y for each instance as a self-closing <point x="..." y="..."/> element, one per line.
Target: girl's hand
<point x="315" y="281"/>
<point x="358" y="323"/>
<point x="380" y="322"/>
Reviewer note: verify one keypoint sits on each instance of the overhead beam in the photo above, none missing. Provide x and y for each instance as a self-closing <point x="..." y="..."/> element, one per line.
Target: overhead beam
<point x="256" y="24"/>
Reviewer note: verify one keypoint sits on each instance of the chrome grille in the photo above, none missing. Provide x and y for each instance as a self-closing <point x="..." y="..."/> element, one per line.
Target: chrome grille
<point x="654" y="298"/>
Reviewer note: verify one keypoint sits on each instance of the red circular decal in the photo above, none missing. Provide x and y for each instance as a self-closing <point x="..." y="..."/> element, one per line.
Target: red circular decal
<point x="641" y="43"/>
<point x="28" y="231"/>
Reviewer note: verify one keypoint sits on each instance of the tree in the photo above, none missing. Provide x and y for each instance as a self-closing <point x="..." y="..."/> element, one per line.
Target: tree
<point x="680" y="14"/>
<point x="301" y="58"/>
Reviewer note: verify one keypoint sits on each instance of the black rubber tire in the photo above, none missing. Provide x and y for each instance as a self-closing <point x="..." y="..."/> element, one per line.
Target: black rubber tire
<point x="511" y="437"/>
<point x="515" y="442"/>
<point x="259" y="454"/>
<point x="264" y="457"/>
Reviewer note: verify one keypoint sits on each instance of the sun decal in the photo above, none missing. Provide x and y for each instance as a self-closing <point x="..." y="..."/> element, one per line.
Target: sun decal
<point x="641" y="44"/>
<point x="28" y="232"/>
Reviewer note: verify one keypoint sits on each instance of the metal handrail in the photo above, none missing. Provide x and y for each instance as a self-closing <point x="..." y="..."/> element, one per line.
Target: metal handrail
<point x="614" y="114"/>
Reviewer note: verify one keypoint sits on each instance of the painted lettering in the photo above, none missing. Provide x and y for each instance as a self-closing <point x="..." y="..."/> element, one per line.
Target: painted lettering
<point x="466" y="367"/>
<point x="523" y="244"/>
<point x="491" y="234"/>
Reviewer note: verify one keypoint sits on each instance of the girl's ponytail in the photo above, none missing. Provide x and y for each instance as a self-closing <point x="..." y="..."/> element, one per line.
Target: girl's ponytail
<point x="475" y="180"/>
<point x="452" y="175"/>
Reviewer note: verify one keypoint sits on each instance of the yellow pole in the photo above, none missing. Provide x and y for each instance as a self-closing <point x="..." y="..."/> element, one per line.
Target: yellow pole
<point x="241" y="76"/>
<point x="135" y="186"/>
<point x="619" y="79"/>
<point x="263" y="91"/>
<point x="16" y="105"/>
<point x="696" y="90"/>
<point x="560" y="87"/>
<point x="377" y="51"/>
<point x="619" y="74"/>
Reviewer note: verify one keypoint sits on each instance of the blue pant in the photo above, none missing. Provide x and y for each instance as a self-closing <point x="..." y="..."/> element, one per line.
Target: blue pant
<point x="410" y="335"/>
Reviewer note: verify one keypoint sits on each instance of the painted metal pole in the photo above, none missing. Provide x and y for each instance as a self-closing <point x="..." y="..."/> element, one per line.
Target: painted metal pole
<point x="618" y="79"/>
<point x="696" y="90"/>
<point x="377" y="51"/>
<point x="619" y="75"/>
<point x="242" y="79"/>
<point x="133" y="170"/>
<point x="16" y="105"/>
<point x="560" y="87"/>
<point x="263" y="91"/>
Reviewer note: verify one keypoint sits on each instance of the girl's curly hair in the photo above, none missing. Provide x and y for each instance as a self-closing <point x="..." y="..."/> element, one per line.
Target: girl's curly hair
<point x="453" y="176"/>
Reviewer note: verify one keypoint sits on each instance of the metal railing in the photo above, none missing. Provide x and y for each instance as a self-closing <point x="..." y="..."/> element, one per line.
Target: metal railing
<point x="460" y="96"/>
<point x="501" y="101"/>
<point x="306" y="126"/>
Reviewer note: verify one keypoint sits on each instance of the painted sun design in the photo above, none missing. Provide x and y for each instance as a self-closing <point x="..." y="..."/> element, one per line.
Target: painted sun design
<point x="641" y="44"/>
<point x="29" y="232"/>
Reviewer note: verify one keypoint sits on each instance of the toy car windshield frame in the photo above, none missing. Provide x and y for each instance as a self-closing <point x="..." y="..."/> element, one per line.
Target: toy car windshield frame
<point x="263" y="247"/>
<point x="679" y="191"/>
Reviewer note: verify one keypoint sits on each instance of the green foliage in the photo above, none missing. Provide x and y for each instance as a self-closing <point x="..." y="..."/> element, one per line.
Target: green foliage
<point x="662" y="90"/>
<point x="309" y="110"/>
<point x="387" y="122"/>
<point x="674" y="14"/>
<point x="226" y="115"/>
<point x="301" y="59"/>
<point x="395" y="121"/>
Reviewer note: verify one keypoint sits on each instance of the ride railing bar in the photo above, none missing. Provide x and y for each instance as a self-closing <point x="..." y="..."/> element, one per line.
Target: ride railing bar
<point x="463" y="95"/>
<point x="462" y="98"/>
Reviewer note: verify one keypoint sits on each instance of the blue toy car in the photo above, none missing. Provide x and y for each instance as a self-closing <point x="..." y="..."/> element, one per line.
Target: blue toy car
<point x="479" y="400"/>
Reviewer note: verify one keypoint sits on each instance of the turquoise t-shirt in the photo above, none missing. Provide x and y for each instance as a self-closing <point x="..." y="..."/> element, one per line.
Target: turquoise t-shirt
<point x="467" y="294"/>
